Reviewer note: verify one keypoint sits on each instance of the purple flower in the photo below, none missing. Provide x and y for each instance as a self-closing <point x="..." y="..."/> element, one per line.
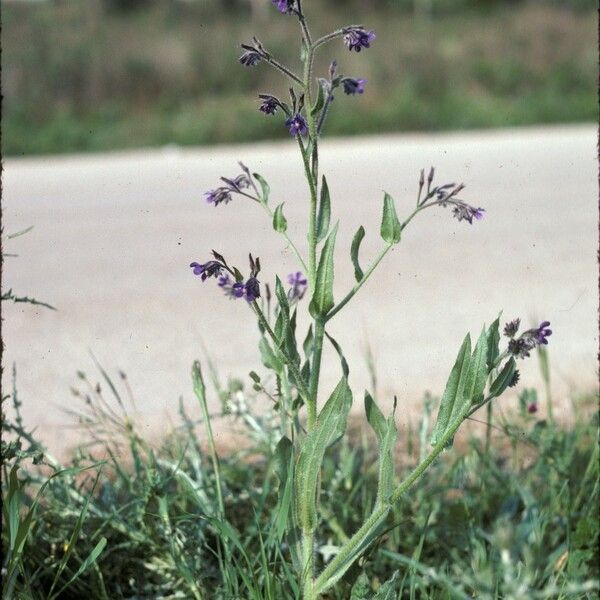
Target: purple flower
<point x="237" y="290"/>
<point x="250" y="58"/>
<point x="542" y="333"/>
<point x="284" y="6"/>
<point x="357" y="38"/>
<point x="464" y="212"/>
<point x="210" y="269"/>
<point x="353" y="86"/>
<point x="298" y="283"/>
<point x="269" y="105"/>
<point x="529" y="339"/>
<point x="252" y="289"/>
<point x="221" y="194"/>
<point x="532" y="408"/>
<point x="511" y="328"/>
<point x="297" y="125"/>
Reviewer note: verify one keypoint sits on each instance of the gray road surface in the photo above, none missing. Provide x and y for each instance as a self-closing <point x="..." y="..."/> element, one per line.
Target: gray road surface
<point x="114" y="234"/>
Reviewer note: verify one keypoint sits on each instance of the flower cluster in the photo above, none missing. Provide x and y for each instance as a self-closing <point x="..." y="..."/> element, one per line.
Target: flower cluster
<point x="521" y="346"/>
<point x="239" y="289"/>
<point x="445" y="195"/>
<point x="357" y="37"/>
<point x="230" y="280"/>
<point x="237" y="185"/>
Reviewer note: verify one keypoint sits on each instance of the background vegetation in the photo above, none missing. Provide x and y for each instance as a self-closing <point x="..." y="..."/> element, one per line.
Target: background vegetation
<point x="106" y="74"/>
<point x="124" y="519"/>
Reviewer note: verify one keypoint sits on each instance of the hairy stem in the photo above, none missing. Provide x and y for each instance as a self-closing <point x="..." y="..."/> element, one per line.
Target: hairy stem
<point x="321" y="583"/>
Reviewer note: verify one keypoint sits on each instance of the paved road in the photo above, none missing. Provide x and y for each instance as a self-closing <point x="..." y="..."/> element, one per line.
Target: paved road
<point x="114" y="235"/>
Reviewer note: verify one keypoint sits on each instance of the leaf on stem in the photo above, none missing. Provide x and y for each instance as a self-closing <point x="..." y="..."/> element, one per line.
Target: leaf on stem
<point x="279" y="221"/>
<point x="324" y="215"/>
<point x="338" y="349"/>
<point x="356" y="241"/>
<point x="264" y="186"/>
<point x="329" y="427"/>
<point x="322" y="301"/>
<point x="391" y="229"/>
<point x="385" y="430"/>
<point x="504" y="378"/>
<point x="454" y="392"/>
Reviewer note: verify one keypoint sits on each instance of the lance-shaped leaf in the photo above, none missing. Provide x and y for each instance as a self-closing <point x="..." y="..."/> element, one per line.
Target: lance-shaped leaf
<point x="329" y="427"/>
<point x="338" y="349"/>
<point x="356" y="241"/>
<point x="477" y="375"/>
<point x="322" y="300"/>
<point x="504" y="378"/>
<point x="264" y="187"/>
<point x="324" y="215"/>
<point x="493" y="343"/>
<point x="279" y="221"/>
<point x="320" y="101"/>
<point x="284" y="469"/>
<point x="385" y="430"/>
<point x="391" y="229"/>
<point x="270" y="358"/>
<point x="454" y="392"/>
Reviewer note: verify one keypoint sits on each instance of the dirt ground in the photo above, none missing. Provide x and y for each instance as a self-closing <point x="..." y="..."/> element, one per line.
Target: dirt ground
<point x="114" y="234"/>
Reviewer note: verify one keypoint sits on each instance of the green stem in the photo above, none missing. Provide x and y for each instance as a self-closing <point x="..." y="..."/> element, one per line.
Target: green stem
<point x="200" y="391"/>
<point x="288" y="240"/>
<point x="378" y="514"/>
<point x="289" y="362"/>
<point x="315" y="370"/>
<point x="359" y="284"/>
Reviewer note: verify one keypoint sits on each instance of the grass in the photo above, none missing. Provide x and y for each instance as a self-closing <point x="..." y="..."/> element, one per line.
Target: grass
<point x="125" y="519"/>
<point x="169" y="73"/>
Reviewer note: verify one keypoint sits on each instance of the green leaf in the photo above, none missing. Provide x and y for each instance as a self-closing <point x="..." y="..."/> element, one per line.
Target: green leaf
<point x="389" y="590"/>
<point x="320" y="102"/>
<point x="264" y="186"/>
<point x="493" y="343"/>
<point x="329" y="427"/>
<point x="478" y="372"/>
<point x="279" y="221"/>
<point x="284" y="469"/>
<point x="361" y="590"/>
<point x="356" y="241"/>
<point x="454" y="392"/>
<point x="386" y="432"/>
<point x="324" y="215"/>
<point x="391" y="229"/>
<point x="338" y="349"/>
<point x="504" y="378"/>
<point x="270" y="359"/>
<point x="322" y="301"/>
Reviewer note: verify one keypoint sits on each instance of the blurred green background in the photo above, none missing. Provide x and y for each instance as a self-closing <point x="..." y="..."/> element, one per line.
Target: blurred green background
<point x="88" y="75"/>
